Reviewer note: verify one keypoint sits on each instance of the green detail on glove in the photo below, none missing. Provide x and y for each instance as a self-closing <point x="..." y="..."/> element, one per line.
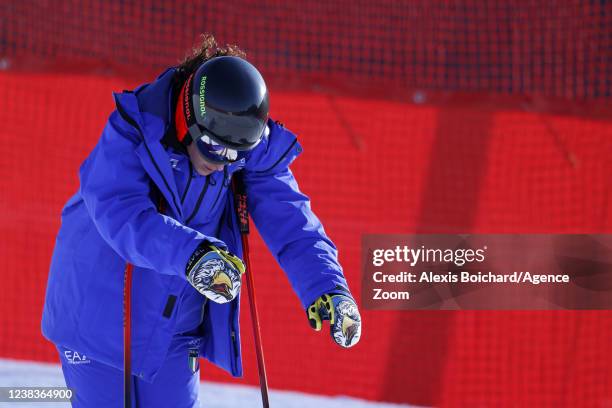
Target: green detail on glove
<point x="230" y="258"/>
<point x="215" y="273"/>
<point x="343" y="316"/>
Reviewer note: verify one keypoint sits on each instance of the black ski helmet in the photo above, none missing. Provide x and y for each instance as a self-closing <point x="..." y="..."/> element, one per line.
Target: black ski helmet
<point x="226" y="99"/>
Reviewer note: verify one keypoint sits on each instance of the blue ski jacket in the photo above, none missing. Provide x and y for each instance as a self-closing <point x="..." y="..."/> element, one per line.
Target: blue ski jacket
<point x="113" y="219"/>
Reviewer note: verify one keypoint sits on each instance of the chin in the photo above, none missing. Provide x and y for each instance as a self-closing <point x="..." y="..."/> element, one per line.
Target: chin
<point x="205" y="172"/>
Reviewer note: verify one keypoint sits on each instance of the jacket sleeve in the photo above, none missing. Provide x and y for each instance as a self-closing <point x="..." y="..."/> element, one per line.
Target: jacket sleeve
<point x="286" y="222"/>
<point x="115" y="189"/>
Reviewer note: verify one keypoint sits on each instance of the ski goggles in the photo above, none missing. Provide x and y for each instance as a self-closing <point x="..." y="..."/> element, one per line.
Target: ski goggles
<point x="215" y="152"/>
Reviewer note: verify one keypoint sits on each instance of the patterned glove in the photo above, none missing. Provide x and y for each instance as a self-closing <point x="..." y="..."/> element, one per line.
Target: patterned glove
<point x="215" y="273"/>
<point x="343" y="316"/>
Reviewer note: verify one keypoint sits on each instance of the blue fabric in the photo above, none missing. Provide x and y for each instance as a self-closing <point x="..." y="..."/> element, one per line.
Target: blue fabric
<point x="113" y="219"/>
<point x="95" y="384"/>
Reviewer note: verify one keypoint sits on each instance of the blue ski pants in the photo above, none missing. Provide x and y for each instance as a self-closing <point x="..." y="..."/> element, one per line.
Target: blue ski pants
<point x="96" y="385"/>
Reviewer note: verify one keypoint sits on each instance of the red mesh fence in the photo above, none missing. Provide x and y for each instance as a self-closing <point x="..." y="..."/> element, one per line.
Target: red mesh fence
<point x="553" y="48"/>
<point x="479" y="160"/>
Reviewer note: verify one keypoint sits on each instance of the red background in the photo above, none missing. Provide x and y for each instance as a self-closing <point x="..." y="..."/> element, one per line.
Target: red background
<point x="429" y="169"/>
<point x="446" y="117"/>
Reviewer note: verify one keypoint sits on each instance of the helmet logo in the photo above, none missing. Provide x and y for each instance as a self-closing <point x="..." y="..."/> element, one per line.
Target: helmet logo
<point x="202" y="95"/>
<point x="185" y="92"/>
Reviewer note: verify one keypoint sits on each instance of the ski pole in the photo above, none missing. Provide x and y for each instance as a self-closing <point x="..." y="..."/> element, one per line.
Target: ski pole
<point x="243" y="219"/>
<point x="127" y="328"/>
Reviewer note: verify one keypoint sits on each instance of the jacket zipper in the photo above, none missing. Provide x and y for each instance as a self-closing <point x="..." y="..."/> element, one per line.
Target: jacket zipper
<point x="199" y="202"/>
<point x="221" y="188"/>
<point x="188" y="182"/>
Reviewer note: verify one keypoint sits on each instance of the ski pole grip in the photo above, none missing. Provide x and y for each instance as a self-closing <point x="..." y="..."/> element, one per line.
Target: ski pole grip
<point x="240" y="201"/>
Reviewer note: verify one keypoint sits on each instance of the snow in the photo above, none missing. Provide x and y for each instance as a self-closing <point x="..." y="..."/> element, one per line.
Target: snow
<point x="14" y="373"/>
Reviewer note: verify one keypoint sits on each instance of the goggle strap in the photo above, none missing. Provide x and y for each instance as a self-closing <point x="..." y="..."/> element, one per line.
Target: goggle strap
<point x="194" y="133"/>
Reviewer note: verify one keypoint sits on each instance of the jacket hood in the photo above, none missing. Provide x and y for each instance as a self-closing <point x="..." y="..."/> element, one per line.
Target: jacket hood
<point x="150" y="105"/>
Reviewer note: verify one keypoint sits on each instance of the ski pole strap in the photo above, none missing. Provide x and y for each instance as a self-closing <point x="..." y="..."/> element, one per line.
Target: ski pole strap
<point x="240" y="201"/>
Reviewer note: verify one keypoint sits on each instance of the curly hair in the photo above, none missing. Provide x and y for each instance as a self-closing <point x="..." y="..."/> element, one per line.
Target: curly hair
<point x="207" y="49"/>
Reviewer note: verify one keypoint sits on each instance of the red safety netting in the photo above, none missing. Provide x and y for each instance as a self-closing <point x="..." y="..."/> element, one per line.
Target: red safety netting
<point x="553" y="48"/>
<point x="479" y="158"/>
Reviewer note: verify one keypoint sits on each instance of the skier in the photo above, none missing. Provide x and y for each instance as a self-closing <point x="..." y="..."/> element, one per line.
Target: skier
<point x="155" y="193"/>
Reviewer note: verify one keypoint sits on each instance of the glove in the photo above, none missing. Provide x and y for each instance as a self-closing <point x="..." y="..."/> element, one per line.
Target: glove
<point x="215" y="273"/>
<point x="343" y="316"/>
